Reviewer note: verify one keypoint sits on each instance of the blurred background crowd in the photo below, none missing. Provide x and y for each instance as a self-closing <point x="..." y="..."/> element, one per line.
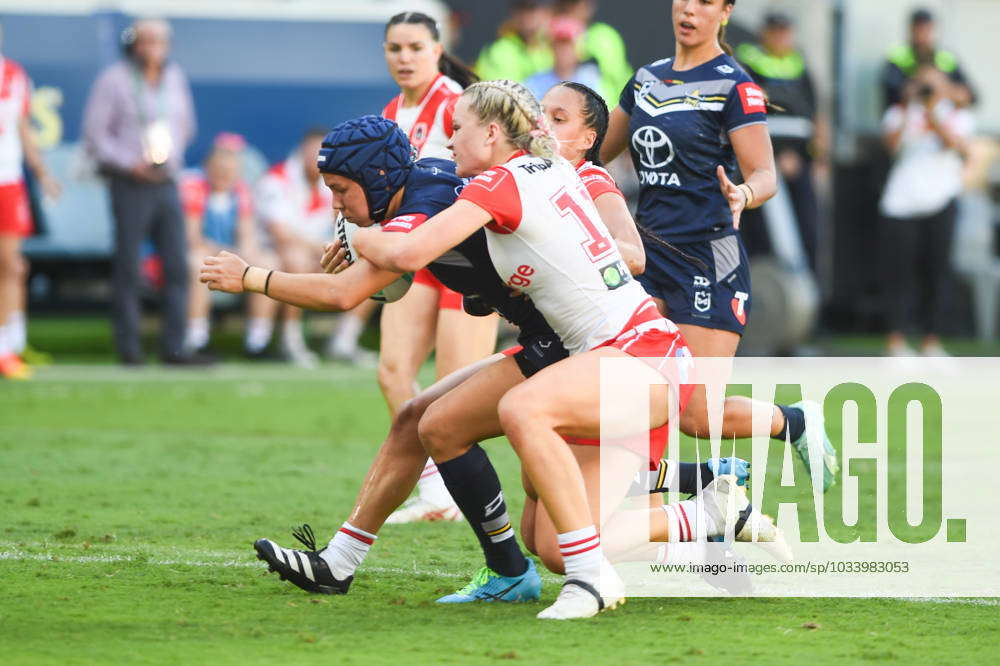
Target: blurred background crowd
<point x="142" y="145"/>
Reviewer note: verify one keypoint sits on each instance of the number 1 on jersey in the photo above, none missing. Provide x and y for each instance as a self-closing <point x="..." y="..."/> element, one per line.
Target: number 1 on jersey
<point x="597" y="244"/>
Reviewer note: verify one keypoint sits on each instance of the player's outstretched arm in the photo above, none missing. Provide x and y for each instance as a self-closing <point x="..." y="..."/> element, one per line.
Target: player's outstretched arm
<point x="406" y="253"/>
<point x="315" y="291"/>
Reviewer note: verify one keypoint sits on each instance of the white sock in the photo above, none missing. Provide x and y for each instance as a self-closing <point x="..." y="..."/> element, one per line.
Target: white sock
<point x="581" y="553"/>
<point x="681" y="553"/>
<point x="197" y="333"/>
<point x="431" y="486"/>
<point x="291" y="334"/>
<point x="258" y="334"/>
<point x="4" y="341"/>
<point x="17" y="331"/>
<point x="688" y="521"/>
<point x="345" y="338"/>
<point x="346" y="550"/>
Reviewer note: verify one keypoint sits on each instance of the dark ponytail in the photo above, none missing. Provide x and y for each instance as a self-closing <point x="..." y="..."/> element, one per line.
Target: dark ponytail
<point x="595" y="117"/>
<point x="722" y="33"/>
<point x="448" y="65"/>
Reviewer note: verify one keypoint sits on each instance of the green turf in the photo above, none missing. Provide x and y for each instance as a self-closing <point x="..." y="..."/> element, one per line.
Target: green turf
<point x="130" y="499"/>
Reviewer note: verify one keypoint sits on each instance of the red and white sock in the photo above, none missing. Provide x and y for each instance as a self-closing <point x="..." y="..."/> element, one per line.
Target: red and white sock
<point x="347" y="550"/>
<point x="681" y="553"/>
<point x="688" y="521"/>
<point x="430" y="486"/>
<point x="581" y="553"/>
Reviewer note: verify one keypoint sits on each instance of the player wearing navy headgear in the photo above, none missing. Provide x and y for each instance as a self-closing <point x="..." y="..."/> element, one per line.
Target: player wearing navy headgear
<point x="689" y="122"/>
<point x="430" y="316"/>
<point x="367" y="164"/>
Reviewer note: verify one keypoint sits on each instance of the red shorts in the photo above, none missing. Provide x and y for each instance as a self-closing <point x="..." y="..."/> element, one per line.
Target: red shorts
<point x="655" y="340"/>
<point x="15" y="213"/>
<point x="448" y="299"/>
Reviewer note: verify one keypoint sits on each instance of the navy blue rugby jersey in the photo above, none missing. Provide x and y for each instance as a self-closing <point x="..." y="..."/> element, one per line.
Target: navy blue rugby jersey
<point x="679" y="134"/>
<point x="467" y="268"/>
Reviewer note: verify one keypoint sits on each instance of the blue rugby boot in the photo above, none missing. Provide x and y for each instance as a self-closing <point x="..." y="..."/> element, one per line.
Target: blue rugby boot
<point x="815" y="437"/>
<point x="736" y="466"/>
<point x="487" y="585"/>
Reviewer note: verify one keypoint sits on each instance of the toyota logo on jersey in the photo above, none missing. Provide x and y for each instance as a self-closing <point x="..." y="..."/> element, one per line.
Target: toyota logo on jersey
<point x="653" y="147"/>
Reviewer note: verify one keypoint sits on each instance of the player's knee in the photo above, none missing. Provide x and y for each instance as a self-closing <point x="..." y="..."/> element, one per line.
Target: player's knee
<point x="517" y="410"/>
<point x="437" y="434"/>
<point x="694" y="422"/>
<point x="394" y="378"/>
<point x="409" y="415"/>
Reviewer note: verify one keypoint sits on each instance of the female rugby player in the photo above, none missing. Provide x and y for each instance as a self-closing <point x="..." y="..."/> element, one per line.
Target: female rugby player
<point x="397" y="465"/>
<point x="689" y="121"/>
<point x="547" y="240"/>
<point x="430" y="316"/>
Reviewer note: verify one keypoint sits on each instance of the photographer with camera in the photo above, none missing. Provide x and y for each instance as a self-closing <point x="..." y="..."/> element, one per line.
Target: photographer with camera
<point x="905" y="60"/>
<point x="927" y="135"/>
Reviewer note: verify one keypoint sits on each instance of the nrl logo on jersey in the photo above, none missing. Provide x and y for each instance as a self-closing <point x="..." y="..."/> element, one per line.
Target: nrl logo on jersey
<point x="724" y="69"/>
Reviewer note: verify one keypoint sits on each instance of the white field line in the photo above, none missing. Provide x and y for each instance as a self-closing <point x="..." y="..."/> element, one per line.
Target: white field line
<point x="224" y="372"/>
<point x="221" y="559"/>
<point x="21" y="556"/>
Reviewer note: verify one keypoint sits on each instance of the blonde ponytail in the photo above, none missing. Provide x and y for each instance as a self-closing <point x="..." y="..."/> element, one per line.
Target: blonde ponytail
<point x="519" y="114"/>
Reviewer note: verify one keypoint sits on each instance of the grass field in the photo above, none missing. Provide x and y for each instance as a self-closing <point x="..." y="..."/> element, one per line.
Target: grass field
<point x="130" y="500"/>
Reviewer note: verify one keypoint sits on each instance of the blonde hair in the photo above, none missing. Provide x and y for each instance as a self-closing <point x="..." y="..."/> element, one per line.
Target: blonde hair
<point x="519" y="114"/>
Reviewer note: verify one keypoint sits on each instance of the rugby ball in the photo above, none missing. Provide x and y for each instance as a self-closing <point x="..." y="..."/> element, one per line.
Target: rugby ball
<point x="391" y="293"/>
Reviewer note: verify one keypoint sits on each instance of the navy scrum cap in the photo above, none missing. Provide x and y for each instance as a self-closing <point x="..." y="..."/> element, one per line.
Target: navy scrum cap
<point x="373" y="152"/>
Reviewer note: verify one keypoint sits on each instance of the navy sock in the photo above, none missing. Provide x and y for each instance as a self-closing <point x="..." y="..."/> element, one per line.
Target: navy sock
<point x="795" y="424"/>
<point x="475" y="487"/>
<point x="687" y="477"/>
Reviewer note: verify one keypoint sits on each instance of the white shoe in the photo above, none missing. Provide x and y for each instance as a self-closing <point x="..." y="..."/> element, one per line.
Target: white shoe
<point x="419" y="510"/>
<point x="935" y="350"/>
<point x="298" y="354"/>
<point x="579" y="599"/>
<point x="727" y="501"/>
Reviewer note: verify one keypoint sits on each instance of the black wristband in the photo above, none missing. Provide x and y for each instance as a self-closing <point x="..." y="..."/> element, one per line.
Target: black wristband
<point x="243" y="279"/>
<point x="267" y="282"/>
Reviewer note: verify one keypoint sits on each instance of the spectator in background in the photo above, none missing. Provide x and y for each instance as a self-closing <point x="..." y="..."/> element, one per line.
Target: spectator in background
<point x="906" y="59"/>
<point x="927" y="132"/>
<point x="602" y="44"/>
<point x="296" y="208"/>
<point x="137" y="123"/>
<point x="219" y="216"/>
<point x="799" y="132"/>
<point x="565" y="33"/>
<point x="521" y="48"/>
<point x="16" y="146"/>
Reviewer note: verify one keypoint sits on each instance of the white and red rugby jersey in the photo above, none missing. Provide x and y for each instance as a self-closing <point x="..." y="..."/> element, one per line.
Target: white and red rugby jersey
<point x="428" y="124"/>
<point x="15" y="102"/>
<point x="597" y="180"/>
<point x="548" y="241"/>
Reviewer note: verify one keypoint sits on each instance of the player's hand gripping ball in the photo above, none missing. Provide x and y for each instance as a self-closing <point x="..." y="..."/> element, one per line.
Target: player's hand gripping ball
<point x="345" y="232"/>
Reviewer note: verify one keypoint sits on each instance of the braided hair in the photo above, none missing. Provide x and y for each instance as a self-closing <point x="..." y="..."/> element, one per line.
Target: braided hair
<point x="519" y="114"/>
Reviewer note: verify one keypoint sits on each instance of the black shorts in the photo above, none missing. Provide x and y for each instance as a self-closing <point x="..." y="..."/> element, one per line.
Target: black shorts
<point x="714" y="293"/>
<point x="537" y="352"/>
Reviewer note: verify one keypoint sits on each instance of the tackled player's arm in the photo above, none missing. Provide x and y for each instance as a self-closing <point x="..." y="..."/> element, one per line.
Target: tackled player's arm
<point x="407" y="253"/>
<point x="617" y="218"/>
<point x="315" y="291"/>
